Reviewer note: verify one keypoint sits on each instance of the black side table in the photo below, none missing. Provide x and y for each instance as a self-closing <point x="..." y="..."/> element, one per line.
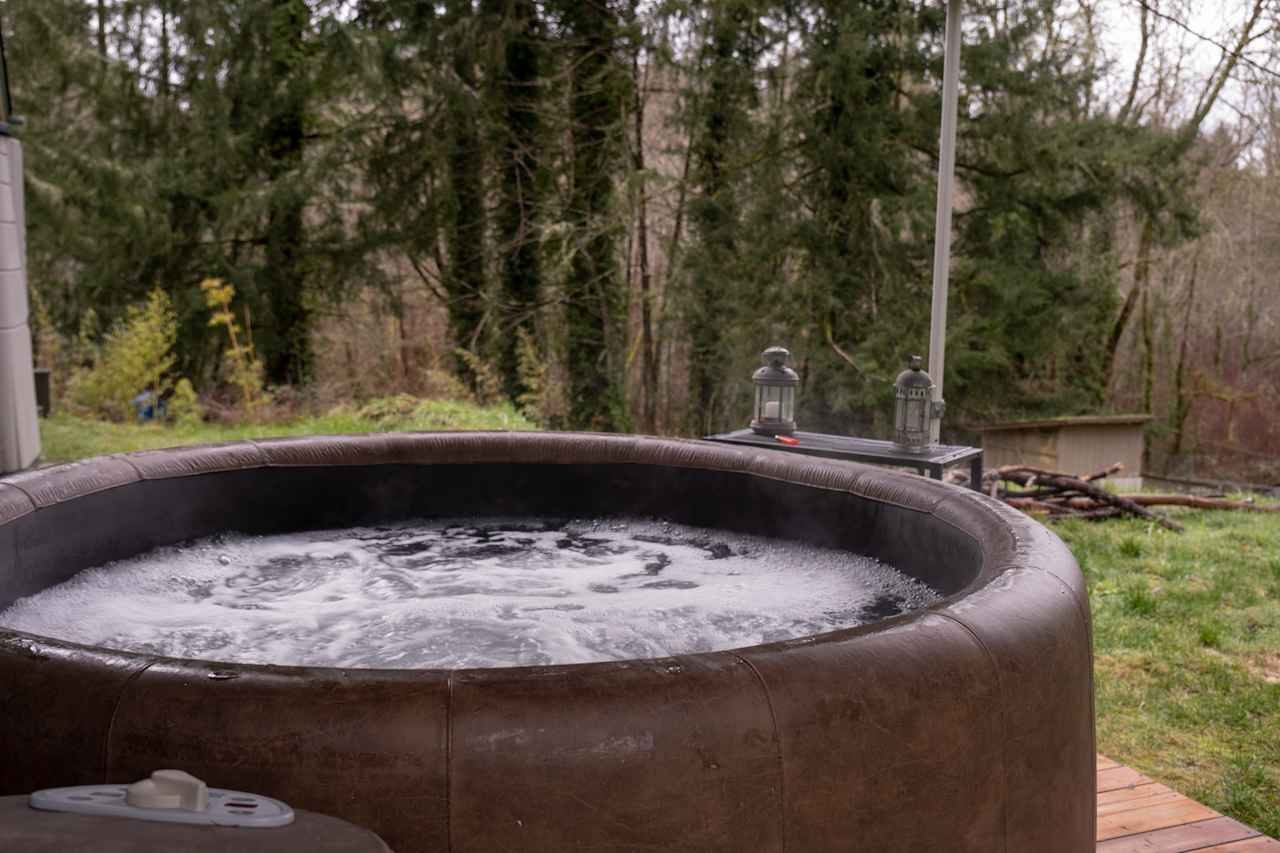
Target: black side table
<point x="933" y="461"/>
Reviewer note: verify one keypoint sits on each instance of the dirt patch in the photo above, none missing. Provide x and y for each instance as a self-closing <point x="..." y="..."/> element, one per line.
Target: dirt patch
<point x="1267" y="667"/>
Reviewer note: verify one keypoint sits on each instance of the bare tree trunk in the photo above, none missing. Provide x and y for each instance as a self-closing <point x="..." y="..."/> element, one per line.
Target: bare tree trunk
<point x="1141" y="276"/>
<point x="1226" y="67"/>
<point x="1181" y="399"/>
<point x="1137" y="67"/>
<point x="682" y="196"/>
<point x="1148" y="352"/>
<point x="166" y="58"/>
<point x="102" y="28"/>
<point x="1186" y="136"/>
<point x="1148" y="367"/>
<point x="404" y="348"/>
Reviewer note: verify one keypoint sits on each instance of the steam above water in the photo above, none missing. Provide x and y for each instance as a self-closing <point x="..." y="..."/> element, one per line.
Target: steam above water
<point x="467" y="593"/>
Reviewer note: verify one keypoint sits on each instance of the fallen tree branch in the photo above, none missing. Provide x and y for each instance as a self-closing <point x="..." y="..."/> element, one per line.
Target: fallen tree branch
<point x="1113" y="468"/>
<point x="1038" y="494"/>
<point x="1060" y="495"/>
<point x="1077" y="502"/>
<point x="1025" y="476"/>
<point x="1033" y="505"/>
<point x="1092" y="514"/>
<point x="1201" y="502"/>
<point x="1037" y="473"/>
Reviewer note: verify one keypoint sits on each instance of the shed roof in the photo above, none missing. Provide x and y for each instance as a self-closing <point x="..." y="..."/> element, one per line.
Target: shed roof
<point x="1077" y="420"/>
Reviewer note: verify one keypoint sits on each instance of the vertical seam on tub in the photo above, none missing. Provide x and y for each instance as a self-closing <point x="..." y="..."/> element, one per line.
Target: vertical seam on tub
<point x="1004" y="724"/>
<point x="30" y="496"/>
<point x="124" y="457"/>
<point x="115" y="710"/>
<point x="448" y="762"/>
<point x="777" y="739"/>
<point x="1093" y="716"/>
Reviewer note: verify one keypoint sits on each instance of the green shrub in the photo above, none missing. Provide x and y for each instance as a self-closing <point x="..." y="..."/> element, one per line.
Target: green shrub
<point x="244" y="370"/>
<point x="385" y="410"/>
<point x="1139" y="601"/>
<point x="1130" y="547"/>
<point x="136" y="356"/>
<point x="542" y="400"/>
<point x="184" y="406"/>
<point x="488" y="381"/>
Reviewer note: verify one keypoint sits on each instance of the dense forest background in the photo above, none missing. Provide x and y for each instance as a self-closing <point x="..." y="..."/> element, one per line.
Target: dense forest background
<point x="603" y="210"/>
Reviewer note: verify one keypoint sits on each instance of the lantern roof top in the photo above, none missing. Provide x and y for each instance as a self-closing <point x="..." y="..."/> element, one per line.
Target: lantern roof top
<point x="775" y="370"/>
<point x="914" y="376"/>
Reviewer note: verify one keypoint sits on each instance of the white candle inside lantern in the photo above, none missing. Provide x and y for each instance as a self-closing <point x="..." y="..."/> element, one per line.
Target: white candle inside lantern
<point x="772" y="409"/>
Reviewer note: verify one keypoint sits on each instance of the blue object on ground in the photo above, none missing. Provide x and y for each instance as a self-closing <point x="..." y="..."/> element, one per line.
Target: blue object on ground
<point x="147" y="406"/>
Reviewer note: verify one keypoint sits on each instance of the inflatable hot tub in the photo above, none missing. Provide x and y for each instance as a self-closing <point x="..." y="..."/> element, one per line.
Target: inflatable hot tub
<point x="966" y="726"/>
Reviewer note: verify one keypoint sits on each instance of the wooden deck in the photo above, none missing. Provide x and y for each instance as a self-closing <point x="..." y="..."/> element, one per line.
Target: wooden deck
<point x="1136" y="815"/>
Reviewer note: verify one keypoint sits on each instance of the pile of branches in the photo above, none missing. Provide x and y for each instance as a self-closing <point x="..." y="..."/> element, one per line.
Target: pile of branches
<point x="1059" y="495"/>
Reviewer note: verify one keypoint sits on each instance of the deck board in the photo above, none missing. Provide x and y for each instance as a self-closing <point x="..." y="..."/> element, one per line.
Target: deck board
<point x="1137" y="815"/>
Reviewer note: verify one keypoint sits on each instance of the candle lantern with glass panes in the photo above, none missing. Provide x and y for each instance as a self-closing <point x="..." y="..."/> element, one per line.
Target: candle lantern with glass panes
<point x="914" y="408"/>
<point x="776" y="383"/>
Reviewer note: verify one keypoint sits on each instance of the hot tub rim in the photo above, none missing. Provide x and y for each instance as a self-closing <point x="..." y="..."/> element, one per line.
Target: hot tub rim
<point x="34" y="490"/>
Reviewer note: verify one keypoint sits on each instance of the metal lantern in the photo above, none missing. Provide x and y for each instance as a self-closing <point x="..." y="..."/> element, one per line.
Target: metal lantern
<point x="913" y="407"/>
<point x="775" y="411"/>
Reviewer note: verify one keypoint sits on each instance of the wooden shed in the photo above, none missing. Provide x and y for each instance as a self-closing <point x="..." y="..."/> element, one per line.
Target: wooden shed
<point x="1077" y="445"/>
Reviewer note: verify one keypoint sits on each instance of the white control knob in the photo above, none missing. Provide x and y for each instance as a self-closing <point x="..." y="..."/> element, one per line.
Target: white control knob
<point x="169" y="789"/>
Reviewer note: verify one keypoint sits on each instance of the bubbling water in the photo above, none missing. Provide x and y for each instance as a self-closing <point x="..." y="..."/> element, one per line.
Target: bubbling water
<point x="467" y="593"/>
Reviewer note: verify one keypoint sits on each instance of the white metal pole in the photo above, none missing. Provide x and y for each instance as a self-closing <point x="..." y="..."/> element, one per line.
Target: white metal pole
<point x="19" y="433"/>
<point x="946" y="190"/>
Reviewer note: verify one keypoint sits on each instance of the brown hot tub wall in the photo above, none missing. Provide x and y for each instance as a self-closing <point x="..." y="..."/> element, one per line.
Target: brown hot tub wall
<point x="965" y="727"/>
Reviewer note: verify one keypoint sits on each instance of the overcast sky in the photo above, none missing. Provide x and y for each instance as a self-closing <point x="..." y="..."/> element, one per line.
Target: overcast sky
<point x="1216" y="20"/>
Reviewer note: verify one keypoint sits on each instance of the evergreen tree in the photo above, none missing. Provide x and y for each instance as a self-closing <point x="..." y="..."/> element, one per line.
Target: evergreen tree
<point x="174" y="145"/>
<point x="595" y="303"/>
<point x="723" y="139"/>
<point x="286" y="348"/>
<point x="517" y="62"/>
<point x="466" y="229"/>
<point x="482" y="146"/>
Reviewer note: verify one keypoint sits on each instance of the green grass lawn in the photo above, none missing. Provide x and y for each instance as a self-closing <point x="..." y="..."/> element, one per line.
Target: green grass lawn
<point x="1187" y="653"/>
<point x="66" y="437"/>
<point x="1186" y="626"/>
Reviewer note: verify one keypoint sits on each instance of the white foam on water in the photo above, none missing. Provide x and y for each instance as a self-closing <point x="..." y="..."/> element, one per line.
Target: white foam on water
<point x="467" y="593"/>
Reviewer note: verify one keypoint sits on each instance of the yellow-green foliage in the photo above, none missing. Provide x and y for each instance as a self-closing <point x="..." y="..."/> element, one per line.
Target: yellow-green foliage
<point x="46" y="342"/>
<point x="184" y="406"/>
<point x="243" y="368"/>
<point x="386" y="409"/>
<point x="542" y="399"/>
<point x="488" y="383"/>
<point x="136" y="356"/>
